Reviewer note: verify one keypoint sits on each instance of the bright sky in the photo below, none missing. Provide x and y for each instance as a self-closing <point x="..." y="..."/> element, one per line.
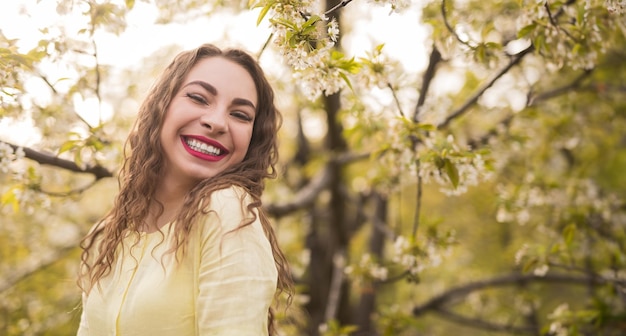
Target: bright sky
<point x="143" y="37"/>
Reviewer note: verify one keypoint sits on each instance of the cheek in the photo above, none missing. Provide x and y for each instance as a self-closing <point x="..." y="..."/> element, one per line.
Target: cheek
<point x="244" y="142"/>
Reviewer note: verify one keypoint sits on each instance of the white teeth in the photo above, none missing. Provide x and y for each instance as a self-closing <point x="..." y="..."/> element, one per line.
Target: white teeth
<point x="202" y="147"/>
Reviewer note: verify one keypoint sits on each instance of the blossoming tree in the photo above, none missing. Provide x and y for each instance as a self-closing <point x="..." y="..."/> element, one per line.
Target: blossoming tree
<point x="483" y="193"/>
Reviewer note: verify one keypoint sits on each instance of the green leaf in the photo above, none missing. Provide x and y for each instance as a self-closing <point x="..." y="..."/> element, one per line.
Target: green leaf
<point x="311" y="21"/>
<point x="493" y="45"/>
<point x="452" y="172"/>
<point x="67" y="146"/>
<point x="529" y="265"/>
<point x="78" y="159"/>
<point x="8" y="198"/>
<point x="526" y="30"/>
<point x="439" y="162"/>
<point x="346" y="79"/>
<point x="426" y="127"/>
<point x="285" y="23"/>
<point x="263" y="12"/>
<point x="540" y="42"/>
<point x="568" y="234"/>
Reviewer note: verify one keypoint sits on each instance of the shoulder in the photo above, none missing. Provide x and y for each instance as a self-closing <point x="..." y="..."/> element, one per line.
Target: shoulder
<point x="227" y="195"/>
<point x="228" y="208"/>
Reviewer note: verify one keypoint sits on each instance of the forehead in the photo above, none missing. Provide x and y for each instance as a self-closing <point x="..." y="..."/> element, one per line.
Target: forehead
<point x="228" y="77"/>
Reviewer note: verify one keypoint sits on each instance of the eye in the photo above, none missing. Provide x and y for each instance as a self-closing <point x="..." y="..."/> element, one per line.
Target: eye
<point x="242" y="116"/>
<point x="196" y="98"/>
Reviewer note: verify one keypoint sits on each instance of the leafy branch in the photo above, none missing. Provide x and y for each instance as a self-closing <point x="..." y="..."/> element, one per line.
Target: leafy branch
<point x="99" y="172"/>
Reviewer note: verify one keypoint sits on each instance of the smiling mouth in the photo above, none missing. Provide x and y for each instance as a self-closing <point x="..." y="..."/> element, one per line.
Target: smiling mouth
<point x="202" y="147"/>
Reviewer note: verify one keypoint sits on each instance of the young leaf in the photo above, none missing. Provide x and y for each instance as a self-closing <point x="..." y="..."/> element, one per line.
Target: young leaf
<point x="263" y="12"/>
<point x="66" y="146"/>
<point x="451" y="171"/>
<point x="526" y="30"/>
<point x="568" y="234"/>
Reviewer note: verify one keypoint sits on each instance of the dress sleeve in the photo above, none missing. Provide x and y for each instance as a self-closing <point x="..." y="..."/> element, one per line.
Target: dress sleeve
<point x="237" y="274"/>
<point x="83" y="327"/>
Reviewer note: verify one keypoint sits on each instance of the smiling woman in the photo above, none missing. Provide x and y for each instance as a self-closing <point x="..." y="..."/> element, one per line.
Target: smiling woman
<point x="188" y="222"/>
<point x="215" y="108"/>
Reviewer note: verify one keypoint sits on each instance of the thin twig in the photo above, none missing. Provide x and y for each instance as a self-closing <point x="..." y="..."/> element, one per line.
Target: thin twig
<point x="418" y="206"/>
<point x="449" y="26"/>
<point x="65" y="193"/>
<point x="396" y="100"/>
<point x="265" y="45"/>
<point x="45" y="79"/>
<point x="554" y="23"/>
<point x="98" y="80"/>
<point x="343" y="3"/>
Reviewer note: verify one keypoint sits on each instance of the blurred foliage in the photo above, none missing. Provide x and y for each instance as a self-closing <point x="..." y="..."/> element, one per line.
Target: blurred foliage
<point x="481" y="195"/>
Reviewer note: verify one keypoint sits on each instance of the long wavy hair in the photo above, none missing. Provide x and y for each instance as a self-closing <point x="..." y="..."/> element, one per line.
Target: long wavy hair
<point x="144" y="162"/>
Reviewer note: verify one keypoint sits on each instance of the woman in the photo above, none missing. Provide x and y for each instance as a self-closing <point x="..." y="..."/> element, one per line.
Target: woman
<point x="186" y="248"/>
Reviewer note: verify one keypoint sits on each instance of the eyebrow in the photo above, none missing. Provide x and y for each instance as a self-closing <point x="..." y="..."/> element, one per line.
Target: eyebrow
<point x="212" y="90"/>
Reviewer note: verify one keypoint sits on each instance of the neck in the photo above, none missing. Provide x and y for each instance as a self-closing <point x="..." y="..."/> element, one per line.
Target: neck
<point x="171" y="196"/>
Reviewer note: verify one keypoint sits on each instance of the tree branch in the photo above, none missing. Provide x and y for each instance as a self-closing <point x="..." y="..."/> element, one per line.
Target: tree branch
<point x="307" y="195"/>
<point x="97" y="171"/>
<point x="482" y="324"/>
<point x="429" y="74"/>
<point x="457" y="293"/>
<point x="47" y="260"/>
<point x="516" y="60"/>
<point x="67" y="193"/>
<point x="334" y="293"/>
<point x="531" y="101"/>
<point x="554" y="23"/>
<point x="343" y="3"/>
<point x="472" y="100"/>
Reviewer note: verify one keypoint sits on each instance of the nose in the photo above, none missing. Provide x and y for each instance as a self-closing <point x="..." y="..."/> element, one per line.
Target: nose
<point x="215" y="120"/>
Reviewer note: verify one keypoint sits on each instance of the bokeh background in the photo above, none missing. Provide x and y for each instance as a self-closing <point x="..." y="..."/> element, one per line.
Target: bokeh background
<point x="447" y="167"/>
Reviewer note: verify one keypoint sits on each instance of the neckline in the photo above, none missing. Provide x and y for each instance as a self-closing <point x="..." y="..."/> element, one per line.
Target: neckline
<point x="164" y="229"/>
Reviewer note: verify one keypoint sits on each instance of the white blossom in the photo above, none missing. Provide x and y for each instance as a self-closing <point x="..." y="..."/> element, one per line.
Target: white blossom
<point x="520" y="254"/>
<point x="333" y="30"/>
<point x="541" y="270"/>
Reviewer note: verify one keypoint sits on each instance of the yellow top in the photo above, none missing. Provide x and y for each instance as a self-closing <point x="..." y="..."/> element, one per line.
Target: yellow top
<point x="223" y="285"/>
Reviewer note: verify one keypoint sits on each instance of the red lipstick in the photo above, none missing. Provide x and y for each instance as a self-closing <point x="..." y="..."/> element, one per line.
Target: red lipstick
<point x="204" y="140"/>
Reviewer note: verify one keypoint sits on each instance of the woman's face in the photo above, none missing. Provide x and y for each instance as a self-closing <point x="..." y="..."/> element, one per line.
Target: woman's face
<point x="208" y="125"/>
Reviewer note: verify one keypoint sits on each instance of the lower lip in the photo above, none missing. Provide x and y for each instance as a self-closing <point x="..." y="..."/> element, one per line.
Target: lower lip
<point x="200" y="155"/>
